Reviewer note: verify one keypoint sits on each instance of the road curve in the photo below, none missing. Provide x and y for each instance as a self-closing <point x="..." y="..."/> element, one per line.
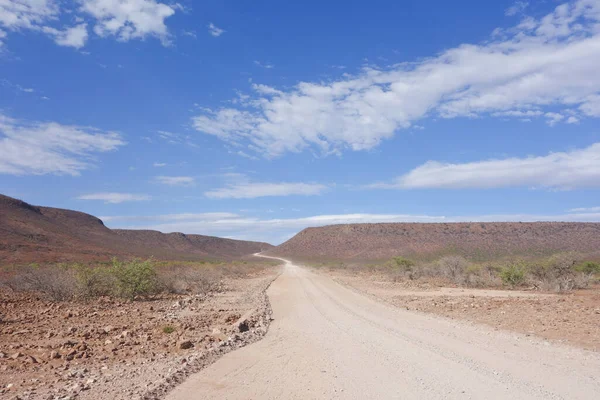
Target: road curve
<point x="329" y="342"/>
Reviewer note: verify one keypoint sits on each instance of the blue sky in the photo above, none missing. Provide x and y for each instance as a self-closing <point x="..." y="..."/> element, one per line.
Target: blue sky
<point x="254" y="120"/>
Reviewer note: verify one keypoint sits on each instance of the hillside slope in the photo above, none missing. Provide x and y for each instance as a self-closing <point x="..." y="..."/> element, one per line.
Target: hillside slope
<point x="477" y="241"/>
<point x="43" y="234"/>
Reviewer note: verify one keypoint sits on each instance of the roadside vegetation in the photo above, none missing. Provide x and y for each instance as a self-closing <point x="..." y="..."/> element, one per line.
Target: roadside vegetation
<point x="134" y="279"/>
<point x="561" y="272"/>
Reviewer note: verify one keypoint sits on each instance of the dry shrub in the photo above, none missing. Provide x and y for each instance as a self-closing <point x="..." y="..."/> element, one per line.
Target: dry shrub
<point x="454" y="268"/>
<point x="58" y="283"/>
<point x="94" y="281"/>
<point x="559" y="273"/>
<point x="186" y="279"/>
<point x="481" y="276"/>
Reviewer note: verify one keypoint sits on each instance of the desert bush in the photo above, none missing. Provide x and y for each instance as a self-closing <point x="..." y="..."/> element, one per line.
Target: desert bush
<point x="182" y="279"/>
<point x="56" y="282"/>
<point x="589" y="268"/>
<point x="404" y="263"/>
<point x="559" y="273"/>
<point x="135" y="278"/>
<point x="94" y="281"/>
<point x="480" y="276"/>
<point x="513" y="275"/>
<point x="403" y="268"/>
<point x="453" y="268"/>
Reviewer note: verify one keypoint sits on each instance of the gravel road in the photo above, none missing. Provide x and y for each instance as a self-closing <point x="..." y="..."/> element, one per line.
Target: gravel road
<point x="329" y="342"/>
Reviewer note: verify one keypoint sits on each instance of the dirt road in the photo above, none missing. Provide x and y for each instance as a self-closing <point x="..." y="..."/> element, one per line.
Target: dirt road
<point x="328" y="342"/>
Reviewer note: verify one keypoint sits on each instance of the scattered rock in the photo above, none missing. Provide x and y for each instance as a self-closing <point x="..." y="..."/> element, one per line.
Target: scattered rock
<point x="185" y="344"/>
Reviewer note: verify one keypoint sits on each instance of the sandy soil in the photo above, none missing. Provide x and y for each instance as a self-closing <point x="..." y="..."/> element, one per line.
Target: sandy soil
<point x="572" y="318"/>
<point x="111" y="350"/>
<point x="330" y="342"/>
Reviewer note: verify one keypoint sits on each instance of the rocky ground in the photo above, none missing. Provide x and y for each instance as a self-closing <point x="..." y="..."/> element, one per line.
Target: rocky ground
<point x="572" y="318"/>
<point x="110" y="349"/>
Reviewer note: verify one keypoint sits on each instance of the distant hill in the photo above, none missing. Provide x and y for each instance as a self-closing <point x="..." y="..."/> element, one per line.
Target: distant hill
<point x="427" y="241"/>
<point x="43" y="234"/>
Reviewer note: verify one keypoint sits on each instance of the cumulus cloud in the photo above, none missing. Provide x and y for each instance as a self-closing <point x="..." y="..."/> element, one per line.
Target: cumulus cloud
<point x="27" y="14"/>
<point x="123" y="19"/>
<point x="37" y="148"/>
<point x="251" y="190"/>
<point x="176" y="180"/>
<point x="546" y="65"/>
<point x="129" y="19"/>
<point x="115" y="198"/>
<point x="214" y="30"/>
<point x="277" y="230"/>
<point x="70" y="37"/>
<point x="564" y="170"/>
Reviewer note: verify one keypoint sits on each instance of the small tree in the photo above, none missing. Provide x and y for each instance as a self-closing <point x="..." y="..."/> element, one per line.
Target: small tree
<point x="135" y="278"/>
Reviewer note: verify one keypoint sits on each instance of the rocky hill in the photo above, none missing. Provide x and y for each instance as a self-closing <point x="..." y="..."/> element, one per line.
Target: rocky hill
<point x="43" y="234"/>
<point x="476" y="241"/>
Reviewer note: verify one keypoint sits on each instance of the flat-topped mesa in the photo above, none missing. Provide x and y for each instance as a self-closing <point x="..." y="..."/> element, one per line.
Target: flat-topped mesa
<point x="479" y="241"/>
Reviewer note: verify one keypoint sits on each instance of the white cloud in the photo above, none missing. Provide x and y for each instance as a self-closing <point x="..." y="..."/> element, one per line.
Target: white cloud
<point x="191" y="34"/>
<point x="250" y="190"/>
<point x="214" y="30"/>
<point x="37" y="148"/>
<point x="176" y="138"/>
<point x="16" y="86"/>
<point x="517" y="8"/>
<point x="264" y="65"/>
<point x="129" y="19"/>
<point x="585" y="210"/>
<point x="158" y="165"/>
<point x="115" y="198"/>
<point x="27" y="14"/>
<point x="212" y="216"/>
<point x="277" y="230"/>
<point x="546" y="65"/>
<point x="70" y="37"/>
<point x="572" y="120"/>
<point x="553" y="118"/>
<point x="564" y="170"/>
<point x="176" y="180"/>
<point x="123" y="19"/>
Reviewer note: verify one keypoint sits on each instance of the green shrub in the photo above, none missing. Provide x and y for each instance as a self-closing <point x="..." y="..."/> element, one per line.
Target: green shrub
<point x="135" y="278"/>
<point x="404" y="263"/>
<point x="513" y="275"/>
<point x="589" y="268"/>
<point x="168" y="329"/>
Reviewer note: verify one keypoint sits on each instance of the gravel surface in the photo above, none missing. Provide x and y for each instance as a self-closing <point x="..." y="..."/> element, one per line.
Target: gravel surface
<point x="109" y="350"/>
<point x="572" y="318"/>
<point x="330" y="342"/>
